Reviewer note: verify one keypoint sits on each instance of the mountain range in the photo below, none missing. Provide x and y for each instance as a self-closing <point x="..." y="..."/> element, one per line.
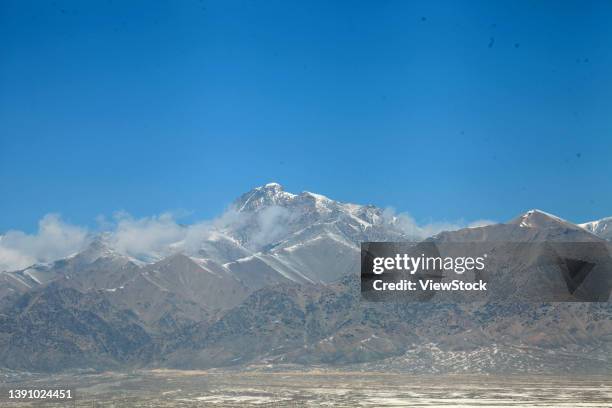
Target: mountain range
<point x="277" y="283"/>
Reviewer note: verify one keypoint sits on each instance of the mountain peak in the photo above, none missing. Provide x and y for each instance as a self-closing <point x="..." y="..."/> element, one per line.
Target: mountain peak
<point x="273" y="186"/>
<point x="98" y="247"/>
<point x="540" y="219"/>
<point x="267" y="195"/>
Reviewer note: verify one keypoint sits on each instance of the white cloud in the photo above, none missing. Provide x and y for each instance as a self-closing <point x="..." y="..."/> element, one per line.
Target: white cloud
<point x="480" y="223"/>
<point x="151" y="238"/>
<point x="409" y="226"/>
<point x="54" y="239"/>
<point x="272" y="224"/>
<point x="11" y="259"/>
<point x="142" y="237"/>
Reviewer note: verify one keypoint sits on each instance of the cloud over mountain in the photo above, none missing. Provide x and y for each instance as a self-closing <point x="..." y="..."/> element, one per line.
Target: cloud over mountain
<point x="274" y="279"/>
<point x="54" y="239"/>
<point x="261" y="217"/>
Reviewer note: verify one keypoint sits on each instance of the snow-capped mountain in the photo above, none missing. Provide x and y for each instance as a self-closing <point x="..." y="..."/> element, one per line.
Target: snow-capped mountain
<point x="303" y="237"/>
<point x="602" y="228"/>
<point x="268" y="236"/>
<point x="271" y="216"/>
<point x="526" y="259"/>
<point x="541" y="219"/>
<point x="331" y="324"/>
<point x="275" y="280"/>
<point x="274" y="235"/>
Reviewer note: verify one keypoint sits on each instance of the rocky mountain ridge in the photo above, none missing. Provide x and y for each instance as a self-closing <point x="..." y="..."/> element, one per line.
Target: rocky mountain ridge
<point x="278" y="284"/>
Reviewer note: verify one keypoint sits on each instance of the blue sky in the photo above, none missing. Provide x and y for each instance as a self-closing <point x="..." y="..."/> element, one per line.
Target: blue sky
<point x="446" y="110"/>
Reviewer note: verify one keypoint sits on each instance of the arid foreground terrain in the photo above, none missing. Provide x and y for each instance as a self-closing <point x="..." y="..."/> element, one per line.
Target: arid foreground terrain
<point x="170" y="388"/>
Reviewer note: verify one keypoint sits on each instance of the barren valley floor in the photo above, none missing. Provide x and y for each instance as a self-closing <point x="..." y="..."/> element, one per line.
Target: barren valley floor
<point x="173" y="388"/>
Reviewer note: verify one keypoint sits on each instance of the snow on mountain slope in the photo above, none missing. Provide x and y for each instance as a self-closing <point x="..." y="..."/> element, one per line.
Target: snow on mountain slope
<point x="222" y="248"/>
<point x="323" y="258"/>
<point x="304" y="237"/>
<point x="264" y="196"/>
<point x="540" y="219"/>
<point x="269" y="215"/>
<point x="268" y="236"/>
<point x="601" y="228"/>
<point x="200" y="280"/>
<point x="276" y="280"/>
